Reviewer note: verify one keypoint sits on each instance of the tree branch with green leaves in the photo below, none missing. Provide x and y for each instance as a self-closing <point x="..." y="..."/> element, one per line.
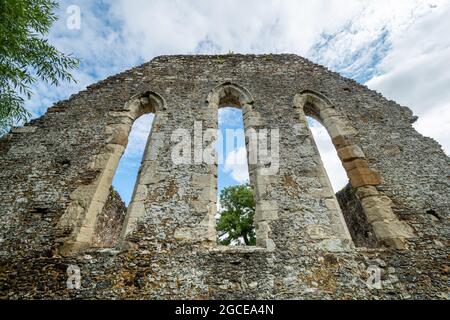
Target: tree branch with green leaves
<point x="235" y="224"/>
<point x="26" y="56"/>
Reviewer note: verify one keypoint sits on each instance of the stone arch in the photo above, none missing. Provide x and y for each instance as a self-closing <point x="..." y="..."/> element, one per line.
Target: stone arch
<point x="77" y="225"/>
<point x="235" y="95"/>
<point x="387" y="229"/>
<point x="265" y="211"/>
<point x="230" y="94"/>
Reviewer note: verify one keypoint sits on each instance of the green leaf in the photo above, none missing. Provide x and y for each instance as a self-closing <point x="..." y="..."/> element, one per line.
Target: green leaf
<point x="236" y="218"/>
<point x="26" y="56"/>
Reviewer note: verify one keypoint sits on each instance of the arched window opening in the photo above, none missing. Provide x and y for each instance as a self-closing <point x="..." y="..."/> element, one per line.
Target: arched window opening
<point x="265" y="210"/>
<point x="127" y="170"/>
<point x="95" y="214"/>
<point x="235" y="201"/>
<point x="110" y="220"/>
<point x="368" y="213"/>
<point x="355" y="219"/>
<point x="328" y="154"/>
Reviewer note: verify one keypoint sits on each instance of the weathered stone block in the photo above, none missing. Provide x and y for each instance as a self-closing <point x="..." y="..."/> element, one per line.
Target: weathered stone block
<point x="366" y="191"/>
<point x="332" y="204"/>
<point x="377" y="210"/>
<point x="150" y="175"/>
<point x="201" y="206"/>
<point x="334" y="245"/>
<point x="118" y="134"/>
<point x="389" y="230"/>
<point x="262" y="228"/>
<point x="337" y="126"/>
<point x="266" y="211"/>
<point x="355" y="163"/>
<point x="363" y="177"/>
<point x="208" y="193"/>
<point x="318" y="232"/>
<point x="376" y="201"/>
<point x="259" y="188"/>
<point x="253" y="119"/>
<point x="140" y="193"/>
<point x="333" y="129"/>
<point x="26" y="129"/>
<point x="323" y="179"/>
<point x="328" y="112"/>
<point x="341" y="141"/>
<point x="264" y="215"/>
<point x="203" y="180"/>
<point x="349" y="153"/>
<point x="267" y="206"/>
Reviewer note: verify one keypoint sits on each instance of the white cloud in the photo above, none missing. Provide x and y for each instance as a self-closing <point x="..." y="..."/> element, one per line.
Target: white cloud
<point x="357" y="47"/>
<point x="137" y="140"/>
<point x="328" y="154"/>
<point x="436" y="124"/>
<point x="416" y="73"/>
<point x="236" y="165"/>
<point x="138" y="136"/>
<point x="155" y="27"/>
<point x="401" y="45"/>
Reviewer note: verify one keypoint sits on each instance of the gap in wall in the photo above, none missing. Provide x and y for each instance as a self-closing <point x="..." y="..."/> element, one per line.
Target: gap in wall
<point x="352" y="210"/>
<point x="128" y="168"/>
<point x="333" y="166"/>
<point x="110" y="221"/>
<point x="233" y="173"/>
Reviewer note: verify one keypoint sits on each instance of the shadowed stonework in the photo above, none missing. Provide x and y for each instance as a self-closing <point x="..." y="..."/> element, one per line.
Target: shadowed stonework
<point x="57" y="209"/>
<point x="109" y="221"/>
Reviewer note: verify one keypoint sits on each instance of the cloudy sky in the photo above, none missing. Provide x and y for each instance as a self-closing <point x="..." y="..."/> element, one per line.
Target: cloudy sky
<point x="400" y="48"/>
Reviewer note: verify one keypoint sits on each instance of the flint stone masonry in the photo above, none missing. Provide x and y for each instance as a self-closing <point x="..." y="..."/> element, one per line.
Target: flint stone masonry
<point x="110" y="221"/>
<point x="56" y="173"/>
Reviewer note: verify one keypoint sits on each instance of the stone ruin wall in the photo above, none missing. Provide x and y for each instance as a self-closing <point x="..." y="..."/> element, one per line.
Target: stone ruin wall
<point x="360" y="229"/>
<point x="56" y="175"/>
<point x="110" y="221"/>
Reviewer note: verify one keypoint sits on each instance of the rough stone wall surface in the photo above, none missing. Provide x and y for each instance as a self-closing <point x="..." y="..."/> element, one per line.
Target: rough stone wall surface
<point x="54" y="174"/>
<point x="110" y="221"/>
<point x="360" y="229"/>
